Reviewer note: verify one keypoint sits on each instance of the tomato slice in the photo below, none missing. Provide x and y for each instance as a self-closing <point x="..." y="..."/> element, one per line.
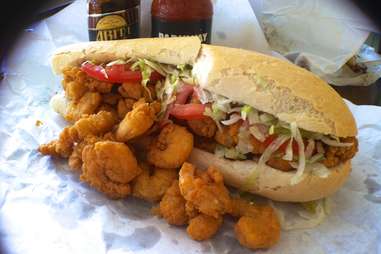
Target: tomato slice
<point x="188" y="111"/>
<point x="155" y="76"/>
<point x="94" y="71"/>
<point x="183" y="93"/>
<point x="117" y="73"/>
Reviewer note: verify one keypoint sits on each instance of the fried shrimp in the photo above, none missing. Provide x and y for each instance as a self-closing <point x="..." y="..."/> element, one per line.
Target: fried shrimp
<point x="75" y="158"/>
<point x="229" y="135"/>
<point x="335" y="155"/>
<point x="87" y="105"/>
<point x="242" y="207"/>
<point x="124" y="106"/>
<point x="97" y="124"/>
<point x="76" y="83"/>
<point x="262" y="231"/>
<point x="205" y="127"/>
<point x="136" y="122"/>
<point x="172" y="206"/>
<point x="203" y="227"/>
<point x="171" y="148"/>
<point x="131" y="90"/>
<point x="92" y="125"/>
<point x="63" y="146"/>
<point x="258" y="226"/>
<point x="206" y="190"/>
<point x="151" y="186"/>
<point x="109" y="167"/>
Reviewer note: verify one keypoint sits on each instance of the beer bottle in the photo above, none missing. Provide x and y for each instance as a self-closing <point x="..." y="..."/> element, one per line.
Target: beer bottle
<point x="173" y="18"/>
<point x="113" y="19"/>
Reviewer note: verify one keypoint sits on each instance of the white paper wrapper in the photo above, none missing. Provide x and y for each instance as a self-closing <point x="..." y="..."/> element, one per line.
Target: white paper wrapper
<point x="44" y="208"/>
<point x="320" y="35"/>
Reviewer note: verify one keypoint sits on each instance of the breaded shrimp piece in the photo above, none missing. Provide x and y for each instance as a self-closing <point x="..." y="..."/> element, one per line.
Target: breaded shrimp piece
<point x="151" y="186"/>
<point x="258" y="226"/>
<point x="132" y="90"/>
<point x="136" y="122"/>
<point x="172" y="206"/>
<point x="203" y="227"/>
<point x="171" y="148"/>
<point x="75" y="158"/>
<point x="86" y="105"/>
<point x="124" y="106"/>
<point x="205" y="127"/>
<point x="229" y="135"/>
<point x="242" y="207"/>
<point x="74" y="83"/>
<point x="109" y="167"/>
<point x="63" y="146"/>
<point x="262" y="231"/>
<point x="205" y="190"/>
<point x="97" y="124"/>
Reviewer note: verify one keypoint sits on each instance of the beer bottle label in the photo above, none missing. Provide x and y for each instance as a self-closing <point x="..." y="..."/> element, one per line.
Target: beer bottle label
<point x="115" y="25"/>
<point x="200" y="28"/>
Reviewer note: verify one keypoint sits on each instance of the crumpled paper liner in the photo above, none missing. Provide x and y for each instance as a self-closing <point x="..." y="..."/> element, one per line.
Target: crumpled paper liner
<point x="44" y="208"/>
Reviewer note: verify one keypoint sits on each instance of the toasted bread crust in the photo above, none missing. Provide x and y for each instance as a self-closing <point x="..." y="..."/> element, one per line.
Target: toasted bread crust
<point x="285" y="90"/>
<point x="169" y="50"/>
<point x="270" y="182"/>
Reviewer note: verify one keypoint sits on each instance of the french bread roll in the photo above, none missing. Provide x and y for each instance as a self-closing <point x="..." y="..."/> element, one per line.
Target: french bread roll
<point x="268" y="84"/>
<point x="175" y="51"/>
<point x="270" y="182"/>
<point x="274" y="86"/>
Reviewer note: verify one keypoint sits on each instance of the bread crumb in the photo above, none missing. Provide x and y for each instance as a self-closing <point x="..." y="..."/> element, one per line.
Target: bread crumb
<point x="38" y="123"/>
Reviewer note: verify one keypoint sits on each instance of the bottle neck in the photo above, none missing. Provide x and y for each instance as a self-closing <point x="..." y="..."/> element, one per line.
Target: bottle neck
<point x="104" y="6"/>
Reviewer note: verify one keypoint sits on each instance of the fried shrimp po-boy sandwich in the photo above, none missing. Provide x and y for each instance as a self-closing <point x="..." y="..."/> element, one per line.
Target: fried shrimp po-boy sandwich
<point x="272" y="128"/>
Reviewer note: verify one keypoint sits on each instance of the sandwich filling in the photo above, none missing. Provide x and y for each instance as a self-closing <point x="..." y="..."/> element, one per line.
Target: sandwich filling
<point x="227" y="128"/>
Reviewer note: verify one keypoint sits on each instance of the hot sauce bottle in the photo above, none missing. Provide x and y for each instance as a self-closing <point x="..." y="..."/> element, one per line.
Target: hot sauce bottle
<point x="176" y="18"/>
<point x="113" y="19"/>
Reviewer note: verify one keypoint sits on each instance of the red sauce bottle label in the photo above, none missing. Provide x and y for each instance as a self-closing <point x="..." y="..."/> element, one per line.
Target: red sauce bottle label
<point x="164" y="28"/>
<point x="117" y="25"/>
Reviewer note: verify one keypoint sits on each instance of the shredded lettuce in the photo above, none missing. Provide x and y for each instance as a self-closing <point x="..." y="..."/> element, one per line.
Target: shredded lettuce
<point x="244" y="145"/>
<point x="229" y="153"/>
<point x="301" y="158"/>
<point x="310" y="148"/>
<point x="253" y="117"/>
<point x="245" y="110"/>
<point x="315" y="158"/>
<point x="267" y="119"/>
<point x="271" y="149"/>
<point x="119" y="61"/>
<point x="146" y="71"/>
<point x="256" y="131"/>
<point x="222" y="103"/>
<point x="232" y="119"/>
<point x="272" y="129"/>
<point x="165" y="92"/>
<point x="251" y="180"/>
<point x="155" y="66"/>
<point x="289" y="154"/>
<point x="315" y="211"/>
<point x="303" y="215"/>
<point x="216" y="113"/>
<point x="331" y="142"/>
